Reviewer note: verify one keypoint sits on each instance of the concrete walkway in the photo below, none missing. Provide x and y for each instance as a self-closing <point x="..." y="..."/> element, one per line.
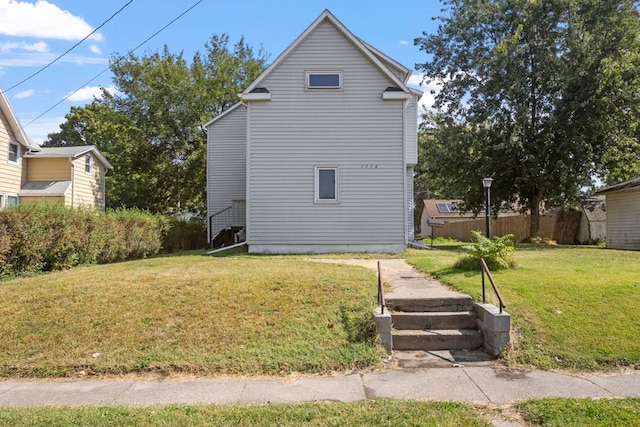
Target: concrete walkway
<point x="447" y="376"/>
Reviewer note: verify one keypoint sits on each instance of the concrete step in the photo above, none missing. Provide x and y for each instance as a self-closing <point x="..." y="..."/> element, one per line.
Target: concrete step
<point x="440" y="304"/>
<point x="434" y="320"/>
<point x="447" y="339"/>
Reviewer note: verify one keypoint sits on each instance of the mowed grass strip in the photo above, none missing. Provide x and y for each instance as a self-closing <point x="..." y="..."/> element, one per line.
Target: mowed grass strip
<point x="188" y="314"/>
<point x="581" y="412"/>
<point x="572" y="307"/>
<point x="366" y="413"/>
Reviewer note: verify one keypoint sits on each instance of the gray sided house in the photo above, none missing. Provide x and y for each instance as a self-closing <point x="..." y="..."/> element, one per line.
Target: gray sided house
<point x="623" y="215"/>
<point x="318" y="156"/>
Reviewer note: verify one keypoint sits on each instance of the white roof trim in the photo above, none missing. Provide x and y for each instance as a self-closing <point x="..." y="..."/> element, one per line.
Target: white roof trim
<point x="404" y="70"/>
<point x="396" y="95"/>
<point x="264" y="96"/>
<point x="221" y="115"/>
<point x="326" y="15"/>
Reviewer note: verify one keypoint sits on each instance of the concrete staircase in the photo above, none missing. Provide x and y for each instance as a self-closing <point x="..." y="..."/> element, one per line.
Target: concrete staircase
<point x="445" y="320"/>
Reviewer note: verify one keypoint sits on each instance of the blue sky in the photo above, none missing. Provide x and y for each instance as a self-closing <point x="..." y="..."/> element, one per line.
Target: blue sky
<point x="33" y="33"/>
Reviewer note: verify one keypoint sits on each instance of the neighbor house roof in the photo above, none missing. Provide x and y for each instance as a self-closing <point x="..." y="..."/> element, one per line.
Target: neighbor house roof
<point x="622" y="186"/>
<point x="14" y="124"/>
<point x="44" y="188"/>
<point x="71" y="152"/>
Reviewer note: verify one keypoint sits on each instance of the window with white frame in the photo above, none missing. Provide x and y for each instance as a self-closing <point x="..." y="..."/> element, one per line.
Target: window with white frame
<point x="326" y="184"/>
<point x="88" y="163"/>
<point x="1" y="201"/>
<point x="14" y="152"/>
<point x="12" y="200"/>
<point x="324" y="79"/>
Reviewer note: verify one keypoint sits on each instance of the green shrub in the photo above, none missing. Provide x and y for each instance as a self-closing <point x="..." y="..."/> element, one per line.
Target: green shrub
<point x="44" y="237"/>
<point x="497" y="253"/>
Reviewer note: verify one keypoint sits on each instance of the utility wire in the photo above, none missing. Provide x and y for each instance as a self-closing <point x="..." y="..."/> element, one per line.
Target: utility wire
<point x="117" y="59"/>
<point x="68" y="50"/>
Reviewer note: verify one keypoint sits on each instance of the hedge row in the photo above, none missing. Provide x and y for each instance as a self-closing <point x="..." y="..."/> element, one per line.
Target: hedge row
<point x="36" y="238"/>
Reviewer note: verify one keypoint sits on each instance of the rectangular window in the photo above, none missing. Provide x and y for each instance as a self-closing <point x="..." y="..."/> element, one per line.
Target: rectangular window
<point x="14" y="152"/>
<point x="88" y="163"/>
<point x="12" y="200"/>
<point x="324" y="80"/>
<point x="326" y="185"/>
<point x="1" y="201"/>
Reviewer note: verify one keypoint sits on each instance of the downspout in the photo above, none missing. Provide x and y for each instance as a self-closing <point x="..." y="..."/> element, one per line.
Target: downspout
<point x="73" y="183"/>
<point x="405" y="210"/>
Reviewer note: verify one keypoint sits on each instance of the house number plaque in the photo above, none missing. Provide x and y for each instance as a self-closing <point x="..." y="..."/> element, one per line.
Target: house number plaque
<point x="368" y="166"/>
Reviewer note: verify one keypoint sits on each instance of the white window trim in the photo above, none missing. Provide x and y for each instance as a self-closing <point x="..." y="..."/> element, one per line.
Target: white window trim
<point x="6" y="203"/>
<point x="17" y="153"/>
<point x="316" y="185"/>
<point x="307" y="74"/>
<point x="1" y="201"/>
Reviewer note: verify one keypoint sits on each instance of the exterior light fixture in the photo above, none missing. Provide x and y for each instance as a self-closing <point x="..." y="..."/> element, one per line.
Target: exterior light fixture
<point x="486" y="183"/>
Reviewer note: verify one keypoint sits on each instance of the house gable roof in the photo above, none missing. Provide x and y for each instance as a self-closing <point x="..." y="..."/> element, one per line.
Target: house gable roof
<point x="223" y="114"/>
<point x="70" y="152"/>
<point x="375" y="56"/>
<point x="622" y="186"/>
<point x="14" y="124"/>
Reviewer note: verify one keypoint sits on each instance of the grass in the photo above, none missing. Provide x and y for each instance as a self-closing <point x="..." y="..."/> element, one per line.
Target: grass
<point x="365" y="413"/>
<point x="190" y="314"/>
<point x="581" y="412"/>
<point x="571" y="307"/>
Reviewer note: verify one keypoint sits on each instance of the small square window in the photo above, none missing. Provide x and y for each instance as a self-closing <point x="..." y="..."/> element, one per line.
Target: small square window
<point x="14" y="152"/>
<point x="326" y="185"/>
<point x="12" y="200"/>
<point x="88" y="163"/>
<point x="324" y="80"/>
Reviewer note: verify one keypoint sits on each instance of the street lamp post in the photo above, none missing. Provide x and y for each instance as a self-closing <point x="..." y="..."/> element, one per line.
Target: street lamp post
<point x="486" y="183"/>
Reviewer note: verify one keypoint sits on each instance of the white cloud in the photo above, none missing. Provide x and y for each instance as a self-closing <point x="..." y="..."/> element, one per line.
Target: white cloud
<point x="41" y="128"/>
<point x="88" y="93"/>
<point x="95" y="49"/>
<point x="404" y="42"/>
<point x="34" y="60"/>
<point x="430" y="90"/>
<point x="34" y="47"/>
<point x="43" y="20"/>
<point x="24" y="94"/>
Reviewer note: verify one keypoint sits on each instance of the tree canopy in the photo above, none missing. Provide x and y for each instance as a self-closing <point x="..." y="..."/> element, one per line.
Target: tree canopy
<point x="151" y="128"/>
<point x="542" y="95"/>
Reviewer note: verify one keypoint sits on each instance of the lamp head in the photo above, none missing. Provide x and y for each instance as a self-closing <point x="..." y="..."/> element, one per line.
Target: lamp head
<point x="487" y="181"/>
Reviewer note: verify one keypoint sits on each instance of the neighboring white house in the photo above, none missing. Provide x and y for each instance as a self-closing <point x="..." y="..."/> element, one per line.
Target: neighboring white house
<point x="623" y="215"/>
<point x="318" y="156"/>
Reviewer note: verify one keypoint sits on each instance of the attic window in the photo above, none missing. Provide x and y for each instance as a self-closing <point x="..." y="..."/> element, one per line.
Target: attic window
<point x="324" y="79"/>
<point x="88" y="163"/>
<point x="14" y="152"/>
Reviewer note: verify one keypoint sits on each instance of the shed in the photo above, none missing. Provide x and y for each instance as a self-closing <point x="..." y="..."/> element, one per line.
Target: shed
<point x="623" y="215"/>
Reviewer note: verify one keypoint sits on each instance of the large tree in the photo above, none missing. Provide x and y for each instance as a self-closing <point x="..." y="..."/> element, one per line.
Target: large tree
<point x="532" y="94"/>
<point x="151" y="128"/>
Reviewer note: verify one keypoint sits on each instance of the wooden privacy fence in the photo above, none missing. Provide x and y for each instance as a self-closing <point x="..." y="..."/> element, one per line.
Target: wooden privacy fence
<point x="561" y="227"/>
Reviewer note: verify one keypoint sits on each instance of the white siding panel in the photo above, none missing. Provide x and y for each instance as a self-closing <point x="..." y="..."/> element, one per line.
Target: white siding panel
<point x="623" y="219"/>
<point x="226" y="161"/>
<point x="411" y="132"/>
<point x="351" y="128"/>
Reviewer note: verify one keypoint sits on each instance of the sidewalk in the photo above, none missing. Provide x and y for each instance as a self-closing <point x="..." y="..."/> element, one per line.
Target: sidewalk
<point x="489" y="384"/>
<point x="447" y="376"/>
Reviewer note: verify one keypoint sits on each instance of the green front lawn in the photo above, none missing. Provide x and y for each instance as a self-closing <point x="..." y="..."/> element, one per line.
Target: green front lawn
<point x="192" y="314"/>
<point x="571" y="307"/>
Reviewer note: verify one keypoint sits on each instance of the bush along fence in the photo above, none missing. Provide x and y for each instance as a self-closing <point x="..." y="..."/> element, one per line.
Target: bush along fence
<point x="38" y="238"/>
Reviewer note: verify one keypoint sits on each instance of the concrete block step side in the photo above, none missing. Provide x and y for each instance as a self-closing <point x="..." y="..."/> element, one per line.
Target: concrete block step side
<point x="451" y="339"/>
<point x="434" y="320"/>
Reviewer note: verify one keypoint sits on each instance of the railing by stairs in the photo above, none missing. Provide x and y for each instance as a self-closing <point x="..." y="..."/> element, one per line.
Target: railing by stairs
<point x="233" y="216"/>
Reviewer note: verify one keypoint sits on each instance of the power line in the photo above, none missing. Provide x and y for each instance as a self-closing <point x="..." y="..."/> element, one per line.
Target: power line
<point x="121" y="57"/>
<point x="68" y="50"/>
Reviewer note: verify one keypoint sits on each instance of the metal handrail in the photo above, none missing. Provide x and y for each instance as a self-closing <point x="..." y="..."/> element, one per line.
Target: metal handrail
<point x="380" y="290"/>
<point x="485" y="269"/>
